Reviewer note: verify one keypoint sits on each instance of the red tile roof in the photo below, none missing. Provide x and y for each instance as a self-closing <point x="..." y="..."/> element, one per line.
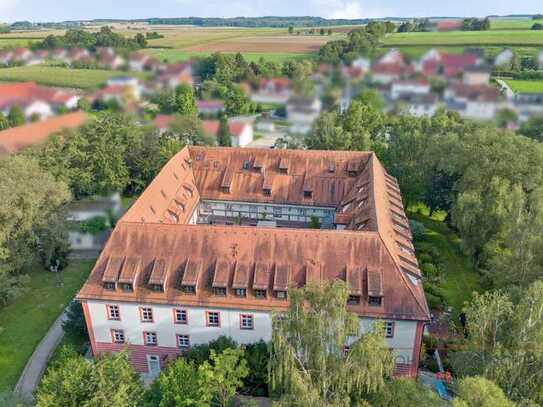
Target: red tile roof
<point x="374" y="254"/>
<point x="17" y="138"/>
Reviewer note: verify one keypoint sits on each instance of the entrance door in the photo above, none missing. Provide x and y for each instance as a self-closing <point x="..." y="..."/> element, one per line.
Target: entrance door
<point x="153" y="364"/>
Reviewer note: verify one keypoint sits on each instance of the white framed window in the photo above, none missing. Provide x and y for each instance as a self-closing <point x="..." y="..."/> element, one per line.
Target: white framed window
<point x="146" y="314"/>
<point x="117" y="336"/>
<point x="183" y="341"/>
<point x="246" y="321"/>
<point x="389" y="329"/>
<point x="180" y="316"/>
<point x="113" y="312"/>
<point x="150" y="339"/>
<point x="213" y="318"/>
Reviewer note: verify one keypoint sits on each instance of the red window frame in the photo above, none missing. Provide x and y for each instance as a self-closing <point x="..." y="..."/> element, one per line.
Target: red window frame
<point x="109" y="307"/>
<point x="147" y="321"/>
<point x="392" y="329"/>
<point x="208" y="313"/>
<point x="179" y="345"/>
<point x="113" y="331"/>
<point x="251" y="317"/>
<point x="176" y="321"/>
<point x="145" y="333"/>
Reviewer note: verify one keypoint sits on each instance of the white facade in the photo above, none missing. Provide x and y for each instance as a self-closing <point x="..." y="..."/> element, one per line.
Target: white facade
<point x="409" y="88"/>
<point x="244" y="138"/>
<point x="402" y="341"/>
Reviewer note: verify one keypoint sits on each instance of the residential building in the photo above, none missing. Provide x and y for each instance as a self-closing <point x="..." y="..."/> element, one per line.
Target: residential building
<point x="16" y="139"/>
<point x="84" y="244"/>
<point x="210" y="107"/>
<point x="214" y="244"/>
<point x="274" y="90"/>
<point x="476" y="75"/>
<point x="504" y="58"/>
<point x="35" y="100"/>
<point x="241" y="132"/>
<point x="409" y="87"/>
<point x="137" y="62"/>
<point x="302" y="112"/>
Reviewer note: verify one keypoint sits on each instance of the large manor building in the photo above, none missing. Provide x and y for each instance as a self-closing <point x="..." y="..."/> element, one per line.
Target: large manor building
<point x="216" y="240"/>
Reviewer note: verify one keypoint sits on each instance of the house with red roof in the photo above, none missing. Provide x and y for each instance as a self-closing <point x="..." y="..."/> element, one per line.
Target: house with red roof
<point x="18" y="138"/>
<point x="210" y="107"/>
<point x="174" y="75"/>
<point x="273" y="90"/>
<point x="35" y="100"/>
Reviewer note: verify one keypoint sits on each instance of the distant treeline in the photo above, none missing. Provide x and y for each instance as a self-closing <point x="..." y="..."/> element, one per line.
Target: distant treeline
<point x="91" y="40"/>
<point x="247" y="21"/>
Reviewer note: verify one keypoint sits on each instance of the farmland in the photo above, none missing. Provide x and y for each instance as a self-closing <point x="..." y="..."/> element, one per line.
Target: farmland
<point x="58" y="76"/>
<point x="525" y="86"/>
<point x="466" y="38"/>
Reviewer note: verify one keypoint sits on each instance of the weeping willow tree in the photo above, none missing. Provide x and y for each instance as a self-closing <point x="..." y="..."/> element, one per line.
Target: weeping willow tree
<point x="309" y="364"/>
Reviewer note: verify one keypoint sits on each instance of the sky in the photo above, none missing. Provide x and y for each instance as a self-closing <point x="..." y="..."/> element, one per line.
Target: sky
<point x="60" y="10"/>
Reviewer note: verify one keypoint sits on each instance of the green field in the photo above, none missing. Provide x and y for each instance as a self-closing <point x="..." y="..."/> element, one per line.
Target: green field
<point x="513" y="24"/>
<point x="24" y="322"/>
<point x="177" y="55"/>
<point x="63" y="77"/>
<point x="466" y="38"/>
<point x="525" y="86"/>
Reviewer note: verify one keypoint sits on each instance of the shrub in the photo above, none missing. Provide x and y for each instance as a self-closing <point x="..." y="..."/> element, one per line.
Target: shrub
<point x="201" y="353"/>
<point x="75" y="325"/>
<point x="257" y="356"/>
<point x="424" y="257"/>
<point x="430" y="270"/>
<point x="95" y="225"/>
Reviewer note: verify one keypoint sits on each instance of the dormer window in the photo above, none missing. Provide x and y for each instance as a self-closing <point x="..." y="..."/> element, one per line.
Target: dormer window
<point x="246" y="165"/>
<point x="225" y="189"/>
<point x="374" y="301"/>
<point x="266" y="191"/>
<point x="260" y="294"/>
<point x="308" y="194"/>
<point x="281" y="295"/>
<point x="188" y="289"/>
<point x="157" y="287"/>
<point x="353" y="300"/>
<point x="240" y="292"/>
<point x="128" y="287"/>
<point x="109" y="285"/>
<point x="219" y="291"/>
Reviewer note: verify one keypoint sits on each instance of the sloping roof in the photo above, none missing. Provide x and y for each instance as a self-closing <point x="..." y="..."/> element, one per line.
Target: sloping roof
<point x="375" y="247"/>
<point x="284" y="252"/>
<point x="24" y="92"/>
<point x="17" y="138"/>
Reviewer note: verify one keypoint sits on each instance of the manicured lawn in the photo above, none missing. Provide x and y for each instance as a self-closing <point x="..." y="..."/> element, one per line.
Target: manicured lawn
<point x="525" y="86"/>
<point x="513" y="24"/>
<point x="460" y="278"/>
<point x="63" y="77"/>
<point x="176" y="55"/>
<point x="466" y="38"/>
<point x="24" y="322"/>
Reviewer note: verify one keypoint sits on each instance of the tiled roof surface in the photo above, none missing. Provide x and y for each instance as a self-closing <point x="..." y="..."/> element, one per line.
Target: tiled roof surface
<point x="17" y="138"/>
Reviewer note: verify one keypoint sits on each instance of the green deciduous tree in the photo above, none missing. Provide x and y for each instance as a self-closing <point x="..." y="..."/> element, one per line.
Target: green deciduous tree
<point x="224" y="374"/>
<point x="480" y="392"/>
<point x="4" y="122"/>
<point x="504" y="343"/>
<point x="16" y="116"/>
<point x="405" y="392"/>
<point x="185" y="103"/>
<point x="74" y="381"/>
<point x="308" y="361"/>
<point x="328" y="134"/>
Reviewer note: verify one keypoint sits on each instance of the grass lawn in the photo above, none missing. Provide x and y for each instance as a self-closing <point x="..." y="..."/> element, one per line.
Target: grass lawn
<point x="513" y="24"/>
<point x="176" y="55"/>
<point x="466" y="38"/>
<point x="24" y="322"/>
<point x="525" y="86"/>
<point x="460" y="279"/>
<point x="63" y="77"/>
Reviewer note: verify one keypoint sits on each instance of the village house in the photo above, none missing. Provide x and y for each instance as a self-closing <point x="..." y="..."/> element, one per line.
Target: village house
<point x="480" y="102"/>
<point x="210" y="107"/>
<point x="302" y="112"/>
<point x="476" y="75"/>
<point x="214" y="244"/>
<point x="18" y="138"/>
<point x="504" y="58"/>
<point x="174" y="75"/>
<point x="409" y="87"/>
<point x="6" y="57"/>
<point x="418" y="105"/>
<point x="274" y="90"/>
<point x="35" y="101"/>
<point x="86" y="244"/>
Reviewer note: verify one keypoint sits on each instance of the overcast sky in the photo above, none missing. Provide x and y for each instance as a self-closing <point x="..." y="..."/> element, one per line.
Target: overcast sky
<point x="58" y="10"/>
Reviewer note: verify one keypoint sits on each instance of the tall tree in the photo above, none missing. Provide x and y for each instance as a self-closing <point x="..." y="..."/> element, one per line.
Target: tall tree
<point x="328" y="134"/>
<point x="185" y="103"/>
<point x="4" y="122"/>
<point x="224" y="137"/>
<point x="308" y="361"/>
